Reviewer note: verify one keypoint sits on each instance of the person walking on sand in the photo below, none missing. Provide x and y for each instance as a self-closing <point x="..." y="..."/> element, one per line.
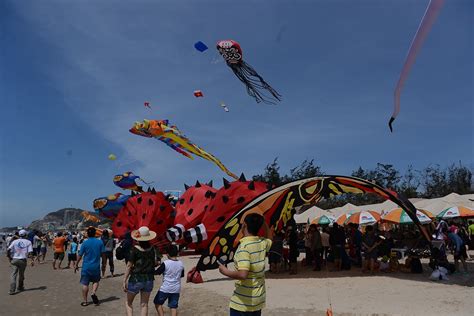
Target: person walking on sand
<point x="17" y="253"/>
<point x="72" y="254"/>
<point x="59" y="249"/>
<point x="249" y="261"/>
<point x="140" y="273"/>
<point x="91" y="251"/>
<point x="172" y="271"/>
<point x="109" y="245"/>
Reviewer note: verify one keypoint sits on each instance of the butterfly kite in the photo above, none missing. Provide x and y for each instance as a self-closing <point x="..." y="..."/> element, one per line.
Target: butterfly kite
<point x="429" y="18"/>
<point x="255" y="84"/>
<point x="277" y="206"/>
<point x="174" y="138"/>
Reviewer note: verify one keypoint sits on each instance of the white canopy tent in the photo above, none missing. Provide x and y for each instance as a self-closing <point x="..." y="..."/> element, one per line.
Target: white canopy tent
<point x="310" y="214"/>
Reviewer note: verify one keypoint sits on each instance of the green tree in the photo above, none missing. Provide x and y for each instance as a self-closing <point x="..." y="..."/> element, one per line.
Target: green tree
<point x="459" y="179"/>
<point x="409" y="183"/>
<point x="271" y="174"/>
<point x="434" y="180"/>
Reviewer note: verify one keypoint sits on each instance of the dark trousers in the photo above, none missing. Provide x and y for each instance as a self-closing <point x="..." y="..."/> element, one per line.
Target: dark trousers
<point x="109" y="256"/>
<point x="234" y="312"/>
<point x="309" y="256"/>
<point x="318" y="254"/>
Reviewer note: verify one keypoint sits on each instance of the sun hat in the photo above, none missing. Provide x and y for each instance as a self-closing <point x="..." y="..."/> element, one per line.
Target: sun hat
<point x="22" y="232"/>
<point x="143" y="234"/>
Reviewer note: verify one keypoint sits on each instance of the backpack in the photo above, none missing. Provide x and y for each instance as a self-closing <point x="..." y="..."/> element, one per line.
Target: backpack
<point x="120" y="252"/>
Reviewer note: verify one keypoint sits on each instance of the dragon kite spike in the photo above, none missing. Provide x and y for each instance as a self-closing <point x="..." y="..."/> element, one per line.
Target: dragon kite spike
<point x="197" y="185"/>
<point x="209" y="184"/>
<point x="226" y="183"/>
<point x="153" y="190"/>
<point x="186" y="187"/>
<point x="133" y="193"/>
<point x="251" y="186"/>
<point x="149" y="190"/>
<point x="242" y="178"/>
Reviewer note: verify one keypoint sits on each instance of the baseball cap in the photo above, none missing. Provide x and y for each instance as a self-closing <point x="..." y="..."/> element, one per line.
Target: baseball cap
<point x="22" y="232"/>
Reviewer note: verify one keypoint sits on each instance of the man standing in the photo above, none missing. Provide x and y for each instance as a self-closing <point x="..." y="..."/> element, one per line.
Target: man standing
<point x="59" y="249"/>
<point x="249" y="261"/>
<point x="91" y="251"/>
<point x="470" y="231"/>
<point x="18" y="252"/>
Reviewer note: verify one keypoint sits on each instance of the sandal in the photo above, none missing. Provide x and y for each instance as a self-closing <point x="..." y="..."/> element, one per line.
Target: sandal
<point x="84" y="304"/>
<point x="95" y="299"/>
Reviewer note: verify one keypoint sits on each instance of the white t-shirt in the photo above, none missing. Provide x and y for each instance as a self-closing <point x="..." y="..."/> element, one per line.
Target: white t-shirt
<point x="36" y="241"/>
<point x="172" y="276"/>
<point x="325" y="239"/>
<point x="20" y="248"/>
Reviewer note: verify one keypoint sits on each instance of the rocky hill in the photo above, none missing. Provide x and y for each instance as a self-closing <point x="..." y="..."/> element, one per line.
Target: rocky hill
<point x="66" y="218"/>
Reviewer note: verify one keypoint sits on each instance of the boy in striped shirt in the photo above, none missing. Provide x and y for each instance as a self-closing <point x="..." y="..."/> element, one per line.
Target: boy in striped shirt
<point x="249" y="260"/>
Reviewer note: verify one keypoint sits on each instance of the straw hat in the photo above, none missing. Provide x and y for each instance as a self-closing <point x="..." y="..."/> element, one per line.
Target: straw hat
<point x="143" y="234"/>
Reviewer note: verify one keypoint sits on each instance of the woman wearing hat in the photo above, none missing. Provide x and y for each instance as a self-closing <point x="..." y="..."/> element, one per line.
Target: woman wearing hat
<point x="139" y="276"/>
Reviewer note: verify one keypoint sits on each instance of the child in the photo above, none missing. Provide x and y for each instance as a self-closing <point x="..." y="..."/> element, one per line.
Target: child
<point x="72" y="254"/>
<point x="172" y="270"/>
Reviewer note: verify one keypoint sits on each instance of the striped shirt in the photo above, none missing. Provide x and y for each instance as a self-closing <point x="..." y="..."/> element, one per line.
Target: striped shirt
<point x="249" y="294"/>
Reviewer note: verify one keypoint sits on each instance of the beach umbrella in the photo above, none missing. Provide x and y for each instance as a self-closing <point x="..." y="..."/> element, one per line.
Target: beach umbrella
<point x="363" y="218"/>
<point x="427" y="213"/>
<point x="399" y="216"/>
<point x="342" y="219"/>
<point x="456" y="211"/>
<point x="323" y="220"/>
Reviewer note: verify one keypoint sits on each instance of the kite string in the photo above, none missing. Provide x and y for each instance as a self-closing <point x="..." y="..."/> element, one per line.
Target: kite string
<point x="328" y="287"/>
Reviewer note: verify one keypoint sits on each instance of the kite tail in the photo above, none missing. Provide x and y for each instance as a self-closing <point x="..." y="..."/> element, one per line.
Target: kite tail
<point x="255" y="83"/>
<point x="426" y="23"/>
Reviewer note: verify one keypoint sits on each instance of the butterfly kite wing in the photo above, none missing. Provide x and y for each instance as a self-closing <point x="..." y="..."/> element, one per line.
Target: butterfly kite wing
<point x="277" y="207"/>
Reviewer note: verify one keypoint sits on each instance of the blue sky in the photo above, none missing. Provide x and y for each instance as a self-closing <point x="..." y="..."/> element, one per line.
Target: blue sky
<point x="74" y="76"/>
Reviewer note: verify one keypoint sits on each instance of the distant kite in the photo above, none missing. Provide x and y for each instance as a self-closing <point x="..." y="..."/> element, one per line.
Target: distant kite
<point x="224" y="107"/>
<point x="127" y="181"/>
<point x="147" y="104"/>
<point x="200" y="46"/>
<point x="174" y="138"/>
<point x="429" y="18"/>
<point x="256" y="86"/>
<point x="112" y="157"/>
<point x="198" y="94"/>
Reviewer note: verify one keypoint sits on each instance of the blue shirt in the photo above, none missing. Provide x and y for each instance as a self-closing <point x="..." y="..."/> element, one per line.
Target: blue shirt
<point x="73" y="248"/>
<point x="91" y="251"/>
<point x="457" y="241"/>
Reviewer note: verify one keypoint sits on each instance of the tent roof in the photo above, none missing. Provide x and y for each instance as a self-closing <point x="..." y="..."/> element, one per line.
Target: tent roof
<point x="310" y="214"/>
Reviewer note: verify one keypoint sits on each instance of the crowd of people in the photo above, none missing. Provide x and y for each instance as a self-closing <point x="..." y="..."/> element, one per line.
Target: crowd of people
<point x="340" y="247"/>
<point x="368" y="247"/>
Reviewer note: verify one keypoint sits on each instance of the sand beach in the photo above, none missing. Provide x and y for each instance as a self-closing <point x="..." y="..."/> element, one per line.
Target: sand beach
<point x="50" y="293"/>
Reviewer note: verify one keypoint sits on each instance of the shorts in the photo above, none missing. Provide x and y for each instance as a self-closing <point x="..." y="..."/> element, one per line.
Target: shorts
<point x="88" y="277"/>
<point x="59" y="255"/>
<point x="43" y="250"/>
<point x="136" y="287"/>
<point x="234" y="312"/>
<point x="72" y="257"/>
<point x="461" y="254"/>
<point x="36" y="251"/>
<point x="172" y="298"/>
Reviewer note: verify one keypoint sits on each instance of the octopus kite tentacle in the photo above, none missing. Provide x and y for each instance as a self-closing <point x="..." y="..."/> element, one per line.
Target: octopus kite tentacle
<point x="254" y="82"/>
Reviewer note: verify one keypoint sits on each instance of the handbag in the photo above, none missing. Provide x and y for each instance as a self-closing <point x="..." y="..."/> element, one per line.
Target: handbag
<point x="194" y="276"/>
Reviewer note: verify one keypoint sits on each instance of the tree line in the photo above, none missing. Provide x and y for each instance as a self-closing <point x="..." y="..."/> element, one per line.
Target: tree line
<point x="430" y="182"/>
